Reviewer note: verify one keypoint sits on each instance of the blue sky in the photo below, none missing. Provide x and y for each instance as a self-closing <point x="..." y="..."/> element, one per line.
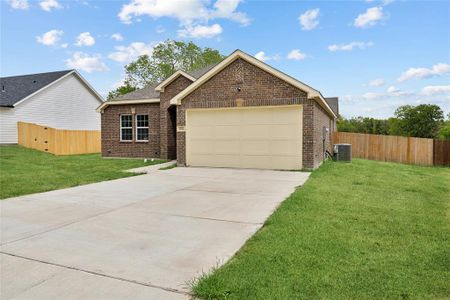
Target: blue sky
<point x="374" y="55"/>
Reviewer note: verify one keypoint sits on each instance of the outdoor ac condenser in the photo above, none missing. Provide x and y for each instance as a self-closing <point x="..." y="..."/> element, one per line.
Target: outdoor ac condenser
<point x="343" y="152"/>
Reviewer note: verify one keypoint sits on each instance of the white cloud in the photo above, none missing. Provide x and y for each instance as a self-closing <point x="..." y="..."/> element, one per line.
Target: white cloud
<point x="65" y="45"/>
<point x="377" y="82"/>
<point x="435" y="90"/>
<point x="296" y="55"/>
<point x="262" y="56"/>
<point x="19" y="4"/>
<point x="48" y="5"/>
<point x="370" y="18"/>
<point x="85" y="39"/>
<point x="50" y="38"/>
<point x="125" y="54"/>
<point x="372" y="96"/>
<point x="186" y="11"/>
<point x="85" y="62"/>
<point x="117" y="37"/>
<point x="393" y="90"/>
<point x="420" y="73"/>
<point x="309" y="19"/>
<point x="226" y="9"/>
<point x="193" y="15"/>
<point x="350" y="46"/>
<point x="200" y="31"/>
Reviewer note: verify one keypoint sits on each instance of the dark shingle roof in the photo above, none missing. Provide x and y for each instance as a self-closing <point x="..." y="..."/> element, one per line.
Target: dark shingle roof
<point x="149" y="92"/>
<point x="200" y="72"/>
<point x="15" y="88"/>
<point x="146" y="93"/>
<point x="333" y="102"/>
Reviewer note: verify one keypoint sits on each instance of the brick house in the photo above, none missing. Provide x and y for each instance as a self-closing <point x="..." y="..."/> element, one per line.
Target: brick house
<point x="240" y="113"/>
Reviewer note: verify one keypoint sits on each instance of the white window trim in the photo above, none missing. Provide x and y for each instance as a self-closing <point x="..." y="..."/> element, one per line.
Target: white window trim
<point x="121" y="127"/>
<point x="138" y="127"/>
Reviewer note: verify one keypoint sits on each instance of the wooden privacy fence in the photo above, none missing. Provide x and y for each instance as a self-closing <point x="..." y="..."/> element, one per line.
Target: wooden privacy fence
<point x="410" y="150"/>
<point x="58" y="141"/>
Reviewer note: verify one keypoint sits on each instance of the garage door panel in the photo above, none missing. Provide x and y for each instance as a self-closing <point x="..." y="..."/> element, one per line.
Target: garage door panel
<point x="201" y="159"/>
<point x="285" y="147"/>
<point x="227" y="117"/>
<point x="251" y="116"/>
<point x="287" y="116"/>
<point x="226" y="161"/>
<point x="256" y="137"/>
<point x="287" y="162"/>
<point x="202" y="132"/>
<point x="201" y="147"/>
<point x="284" y="132"/>
<point x="201" y="120"/>
<point x="226" y="147"/>
<point x="255" y="132"/>
<point x="226" y="131"/>
<point x="257" y="162"/>
<point x="260" y="147"/>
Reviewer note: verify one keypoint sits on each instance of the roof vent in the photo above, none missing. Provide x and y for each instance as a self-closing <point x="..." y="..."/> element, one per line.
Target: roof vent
<point x="34" y="81"/>
<point x="3" y="88"/>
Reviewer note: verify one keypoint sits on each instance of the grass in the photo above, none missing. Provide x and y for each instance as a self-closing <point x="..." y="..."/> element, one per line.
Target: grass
<point x="25" y="171"/>
<point x="360" y="230"/>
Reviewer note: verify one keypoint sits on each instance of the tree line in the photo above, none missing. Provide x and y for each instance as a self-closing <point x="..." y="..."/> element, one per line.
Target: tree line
<point x="424" y="120"/>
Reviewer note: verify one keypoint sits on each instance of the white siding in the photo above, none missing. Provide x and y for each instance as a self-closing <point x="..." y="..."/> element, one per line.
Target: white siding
<point x="68" y="104"/>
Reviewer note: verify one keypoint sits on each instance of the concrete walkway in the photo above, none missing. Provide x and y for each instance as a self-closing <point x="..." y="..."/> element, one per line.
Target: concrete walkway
<point x="142" y="237"/>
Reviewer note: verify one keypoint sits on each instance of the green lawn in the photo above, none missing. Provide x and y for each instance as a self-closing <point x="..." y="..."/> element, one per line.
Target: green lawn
<point x="25" y="171"/>
<point x="365" y="230"/>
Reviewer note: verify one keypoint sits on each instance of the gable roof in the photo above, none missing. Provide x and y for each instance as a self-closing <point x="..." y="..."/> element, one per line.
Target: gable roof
<point x="333" y="102"/>
<point x="147" y="92"/>
<point x="312" y="93"/>
<point x="160" y="87"/>
<point x="15" y="89"/>
<point x="202" y="71"/>
<point x="151" y="91"/>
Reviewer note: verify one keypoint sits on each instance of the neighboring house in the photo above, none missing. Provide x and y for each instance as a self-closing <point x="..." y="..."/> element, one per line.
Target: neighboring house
<point x="240" y="113"/>
<point x="62" y="100"/>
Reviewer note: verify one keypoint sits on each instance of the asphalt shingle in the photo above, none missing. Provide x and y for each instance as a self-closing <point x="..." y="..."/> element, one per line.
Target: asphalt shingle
<point x="16" y="88"/>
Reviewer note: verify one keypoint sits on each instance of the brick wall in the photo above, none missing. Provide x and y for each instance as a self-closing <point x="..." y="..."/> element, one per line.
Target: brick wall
<point x="257" y="88"/>
<point x="111" y="144"/>
<point x="167" y="128"/>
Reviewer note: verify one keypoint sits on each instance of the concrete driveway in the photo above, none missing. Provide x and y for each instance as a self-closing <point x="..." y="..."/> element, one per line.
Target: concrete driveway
<point x="139" y="237"/>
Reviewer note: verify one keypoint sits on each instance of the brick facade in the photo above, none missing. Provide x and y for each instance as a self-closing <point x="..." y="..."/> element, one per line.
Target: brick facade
<point x="111" y="144"/>
<point x="168" y="124"/>
<point x="239" y="84"/>
<point x="257" y="88"/>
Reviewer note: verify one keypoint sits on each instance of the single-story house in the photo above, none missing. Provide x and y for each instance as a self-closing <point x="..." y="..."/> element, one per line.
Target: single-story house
<point x="239" y="113"/>
<point x="62" y="100"/>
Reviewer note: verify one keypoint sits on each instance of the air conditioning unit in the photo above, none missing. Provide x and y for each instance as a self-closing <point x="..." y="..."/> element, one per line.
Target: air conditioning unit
<point x="343" y="152"/>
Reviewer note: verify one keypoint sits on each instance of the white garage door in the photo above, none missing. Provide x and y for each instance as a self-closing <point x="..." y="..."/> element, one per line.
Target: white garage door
<point x="250" y="137"/>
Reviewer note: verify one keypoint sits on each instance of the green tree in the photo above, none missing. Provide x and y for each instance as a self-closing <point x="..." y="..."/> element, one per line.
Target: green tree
<point x="363" y="125"/>
<point x="121" y="90"/>
<point x="166" y="59"/>
<point x="444" y="132"/>
<point x="419" y="121"/>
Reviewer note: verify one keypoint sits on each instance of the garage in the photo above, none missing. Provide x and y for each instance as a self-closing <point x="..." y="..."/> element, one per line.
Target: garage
<point x="268" y="137"/>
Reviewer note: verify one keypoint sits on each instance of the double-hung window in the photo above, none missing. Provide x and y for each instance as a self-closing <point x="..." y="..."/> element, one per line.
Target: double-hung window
<point x="142" y="128"/>
<point x="126" y="128"/>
